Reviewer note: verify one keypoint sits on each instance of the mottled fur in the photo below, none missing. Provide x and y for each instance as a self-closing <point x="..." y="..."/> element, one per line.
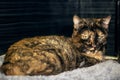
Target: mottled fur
<point x="40" y="55"/>
<point x="48" y="55"/>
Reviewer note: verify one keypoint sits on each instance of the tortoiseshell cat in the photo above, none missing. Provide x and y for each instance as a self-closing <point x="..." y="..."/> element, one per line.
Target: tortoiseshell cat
<point x="48" y="55"/>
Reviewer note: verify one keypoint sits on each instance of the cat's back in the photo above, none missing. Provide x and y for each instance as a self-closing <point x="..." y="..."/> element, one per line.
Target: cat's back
<point x="40" y="55"/>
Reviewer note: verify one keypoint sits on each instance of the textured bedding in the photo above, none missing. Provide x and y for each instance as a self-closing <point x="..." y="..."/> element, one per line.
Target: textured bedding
<point x="108" y="70"/>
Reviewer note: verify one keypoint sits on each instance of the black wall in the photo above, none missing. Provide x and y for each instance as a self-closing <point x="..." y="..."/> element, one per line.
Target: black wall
<point x="27" y="18"/>
<point x="118" y="28"/>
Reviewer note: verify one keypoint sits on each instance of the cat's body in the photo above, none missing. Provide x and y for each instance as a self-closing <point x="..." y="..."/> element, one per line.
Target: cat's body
<point x="44" y="55"/>
<point x="47" y="55"/>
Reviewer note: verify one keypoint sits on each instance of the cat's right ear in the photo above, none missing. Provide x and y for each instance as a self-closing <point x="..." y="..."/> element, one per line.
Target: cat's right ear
<point x="106" y="21"/>
<point x="76" y="19"/>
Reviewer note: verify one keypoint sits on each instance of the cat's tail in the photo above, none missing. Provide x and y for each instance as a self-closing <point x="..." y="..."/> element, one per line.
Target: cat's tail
<point x="115" y="58"/>
<point x="110" y="58"/>
<point x="44" y="63"/>
<point x="32" y="66"/>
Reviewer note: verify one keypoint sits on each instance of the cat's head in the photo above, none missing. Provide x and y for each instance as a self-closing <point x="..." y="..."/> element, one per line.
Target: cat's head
<point x="90" y="34"/>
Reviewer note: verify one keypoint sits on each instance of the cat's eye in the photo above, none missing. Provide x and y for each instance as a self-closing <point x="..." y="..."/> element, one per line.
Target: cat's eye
<point x="84" y="36"/>
<point x="101" y="36"/>
<point x="75" y="29"/>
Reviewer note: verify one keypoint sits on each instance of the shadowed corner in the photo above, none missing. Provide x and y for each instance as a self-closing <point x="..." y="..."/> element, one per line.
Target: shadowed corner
<point x="119" y="55"/>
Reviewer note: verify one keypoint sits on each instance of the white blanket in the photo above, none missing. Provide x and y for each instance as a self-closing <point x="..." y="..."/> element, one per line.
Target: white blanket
<point x="108" y="70"/>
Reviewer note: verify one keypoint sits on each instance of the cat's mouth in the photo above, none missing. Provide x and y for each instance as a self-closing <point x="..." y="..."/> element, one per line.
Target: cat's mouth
<point x="90" y="50"/>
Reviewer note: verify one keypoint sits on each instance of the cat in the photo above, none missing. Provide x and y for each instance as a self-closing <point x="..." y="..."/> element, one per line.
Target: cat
<point x="50" y="55"/>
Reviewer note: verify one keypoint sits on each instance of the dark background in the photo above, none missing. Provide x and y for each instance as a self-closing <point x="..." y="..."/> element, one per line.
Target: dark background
<point x="118" y="28"/>
<point x="27" y="18"/>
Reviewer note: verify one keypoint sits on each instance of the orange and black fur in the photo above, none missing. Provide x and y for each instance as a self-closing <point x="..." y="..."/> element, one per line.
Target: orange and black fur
<point x="49" y="55"/>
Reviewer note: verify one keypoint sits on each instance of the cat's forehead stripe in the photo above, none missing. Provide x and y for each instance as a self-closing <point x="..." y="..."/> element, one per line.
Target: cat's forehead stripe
<point x="91" y="22"/>
<point x="95" y="30"/>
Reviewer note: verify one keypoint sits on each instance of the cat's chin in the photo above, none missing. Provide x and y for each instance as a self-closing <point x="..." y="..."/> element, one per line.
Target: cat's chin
<point x="91" y="50"/>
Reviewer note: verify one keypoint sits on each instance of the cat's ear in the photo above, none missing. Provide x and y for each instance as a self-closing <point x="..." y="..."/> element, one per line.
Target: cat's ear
<point x="106" y="21"/>
<point x="76" y="19"/>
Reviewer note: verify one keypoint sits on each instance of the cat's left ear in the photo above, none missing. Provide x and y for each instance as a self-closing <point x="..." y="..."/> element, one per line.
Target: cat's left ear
<point x="76" y="19"/>
<point x="106" y="21"/>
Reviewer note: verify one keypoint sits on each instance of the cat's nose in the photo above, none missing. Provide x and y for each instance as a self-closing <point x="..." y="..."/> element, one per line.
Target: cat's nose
<point x="92" y="47"/>
<point x="93" y="44"/>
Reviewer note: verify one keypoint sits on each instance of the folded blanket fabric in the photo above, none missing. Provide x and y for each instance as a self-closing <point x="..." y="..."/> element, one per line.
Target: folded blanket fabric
<point x="108" y="70"/>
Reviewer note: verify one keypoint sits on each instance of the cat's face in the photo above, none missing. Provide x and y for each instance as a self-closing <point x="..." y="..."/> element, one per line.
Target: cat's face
<point x="90" y="34"/>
